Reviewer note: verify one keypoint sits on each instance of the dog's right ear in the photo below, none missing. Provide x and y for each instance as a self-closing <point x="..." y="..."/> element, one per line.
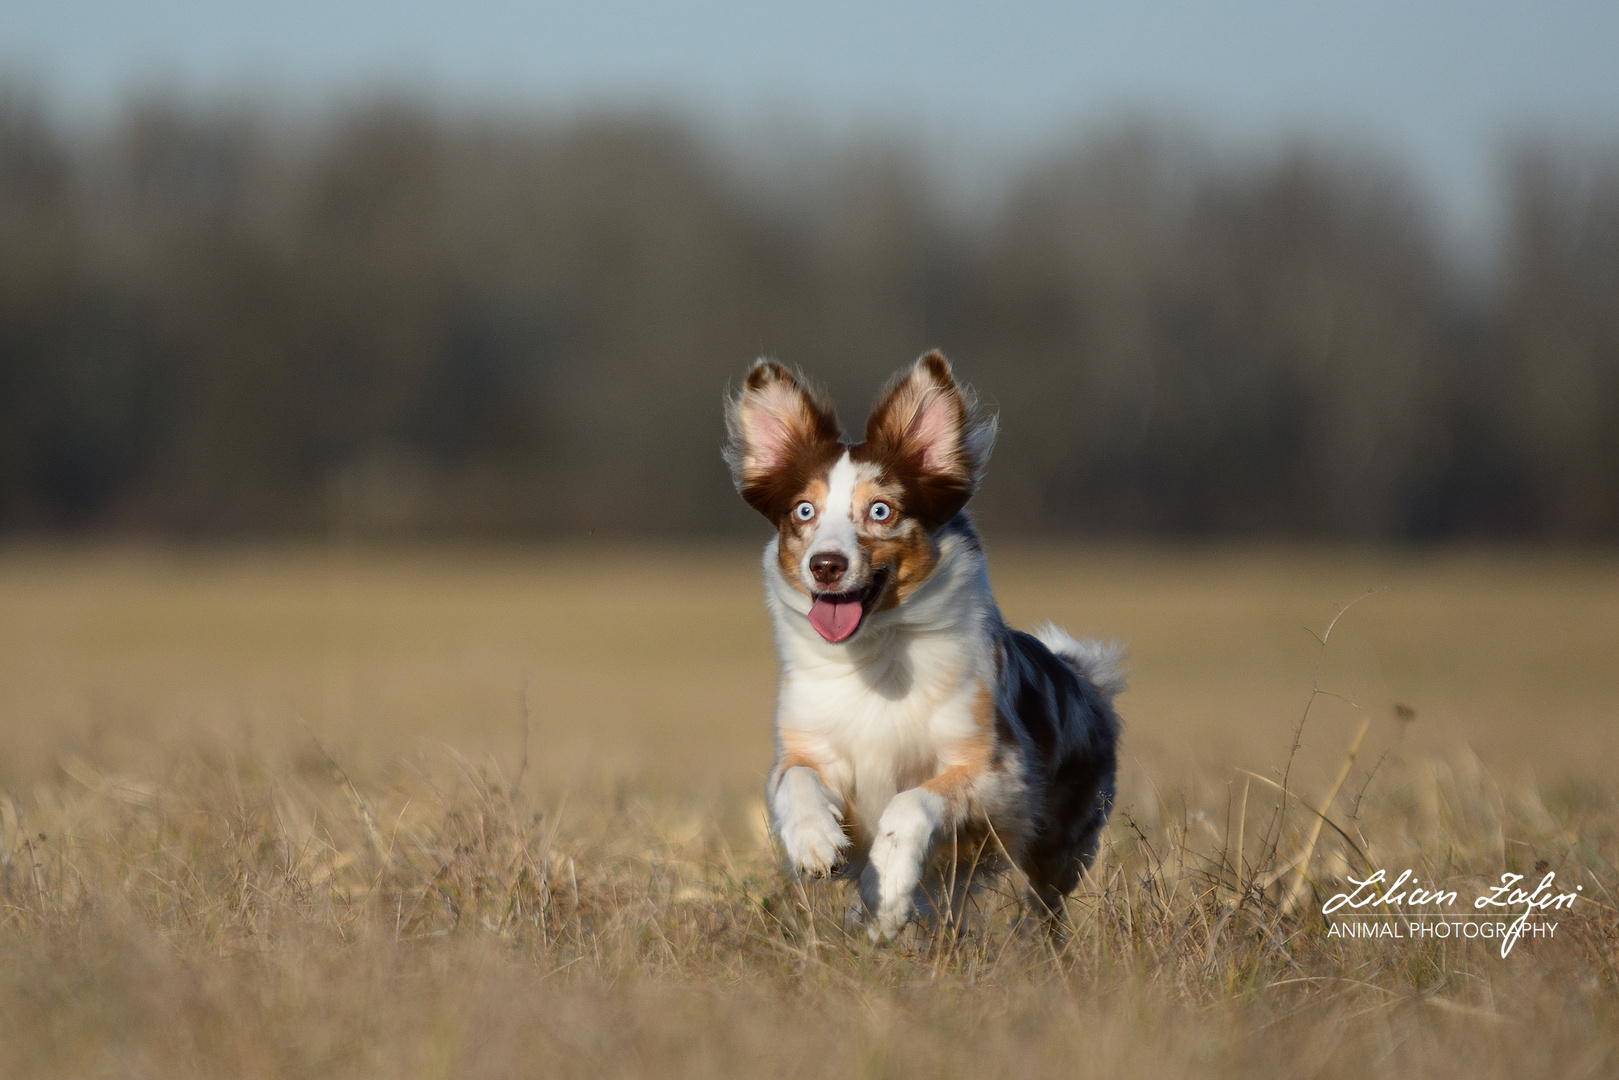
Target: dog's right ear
<point x="778" y="431"/>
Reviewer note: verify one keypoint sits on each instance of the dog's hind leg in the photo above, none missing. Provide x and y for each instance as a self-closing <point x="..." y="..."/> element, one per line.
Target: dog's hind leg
<point x="1045" y="911"/>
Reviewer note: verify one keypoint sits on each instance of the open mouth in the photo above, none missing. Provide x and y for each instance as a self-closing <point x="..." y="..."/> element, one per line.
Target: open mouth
<point x="836" y="616"/>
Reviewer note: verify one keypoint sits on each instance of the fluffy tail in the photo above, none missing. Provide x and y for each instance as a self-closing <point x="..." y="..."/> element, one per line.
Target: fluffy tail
<point x="1098" y="661"/>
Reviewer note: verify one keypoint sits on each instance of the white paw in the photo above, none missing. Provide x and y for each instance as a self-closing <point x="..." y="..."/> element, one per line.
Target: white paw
<point x="808" y="824"/>
<point x="904" y="840"/>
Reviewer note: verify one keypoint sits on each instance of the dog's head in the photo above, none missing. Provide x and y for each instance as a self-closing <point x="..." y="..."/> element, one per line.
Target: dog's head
<point x="857" y="522"/>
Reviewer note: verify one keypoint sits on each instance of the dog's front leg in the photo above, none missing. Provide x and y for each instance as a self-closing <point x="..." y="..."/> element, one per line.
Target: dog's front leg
<point x="904" y="841"/>
<point x="910" y="825"/>
<point x="809" y="822"/>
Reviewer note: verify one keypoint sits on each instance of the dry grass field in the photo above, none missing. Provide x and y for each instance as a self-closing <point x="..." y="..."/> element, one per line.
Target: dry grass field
<point x="469" y="813"/>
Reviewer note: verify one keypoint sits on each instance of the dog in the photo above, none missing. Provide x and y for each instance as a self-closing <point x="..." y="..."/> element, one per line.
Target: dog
<point x="920" y="741"/>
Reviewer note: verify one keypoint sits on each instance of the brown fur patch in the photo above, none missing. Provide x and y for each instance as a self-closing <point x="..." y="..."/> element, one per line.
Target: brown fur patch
<point x="976" y="754"/>
<point x="776" y="494"/>
<point x="795" y="535"/>
<point x="867" y="492"/>
<point x="795" y="752"/>
<point x="911" y="554"/>
<point x="902" y="544"/>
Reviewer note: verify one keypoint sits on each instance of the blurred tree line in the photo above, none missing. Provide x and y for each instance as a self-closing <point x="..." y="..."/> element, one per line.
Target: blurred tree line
<point x="392" y="320"/>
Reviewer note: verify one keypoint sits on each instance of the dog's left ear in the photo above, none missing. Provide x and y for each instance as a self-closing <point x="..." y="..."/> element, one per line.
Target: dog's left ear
<point x="928" y="428"/>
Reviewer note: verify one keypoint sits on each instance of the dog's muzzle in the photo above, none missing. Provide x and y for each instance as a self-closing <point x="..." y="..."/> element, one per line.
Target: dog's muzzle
<point x="836" y="616"/>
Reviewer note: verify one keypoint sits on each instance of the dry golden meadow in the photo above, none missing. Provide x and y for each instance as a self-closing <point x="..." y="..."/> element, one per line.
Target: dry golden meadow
<point x="476" y="812"/>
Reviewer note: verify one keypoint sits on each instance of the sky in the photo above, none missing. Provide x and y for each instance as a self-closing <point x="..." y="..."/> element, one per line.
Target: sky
<point x="1441" y="85"/>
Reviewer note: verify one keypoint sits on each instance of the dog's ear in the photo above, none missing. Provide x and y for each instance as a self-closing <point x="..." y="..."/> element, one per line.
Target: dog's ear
<point x="779" y="431"/>
<point x="928" y="428"/>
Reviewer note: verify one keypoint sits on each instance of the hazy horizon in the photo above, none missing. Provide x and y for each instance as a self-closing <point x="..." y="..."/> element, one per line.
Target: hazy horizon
<point x="1440" y="88"/>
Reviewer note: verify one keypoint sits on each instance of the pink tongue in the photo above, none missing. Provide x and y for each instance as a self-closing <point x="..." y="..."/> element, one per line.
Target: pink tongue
<point x="835" y="620"/>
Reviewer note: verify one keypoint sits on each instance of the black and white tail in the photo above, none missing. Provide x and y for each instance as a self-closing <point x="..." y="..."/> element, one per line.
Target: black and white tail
<point x="1098" y="661"/>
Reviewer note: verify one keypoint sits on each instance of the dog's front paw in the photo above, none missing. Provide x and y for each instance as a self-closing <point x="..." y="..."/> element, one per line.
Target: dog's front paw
<point x="904" y="839"/>
<point x="809" y="826"/>
<point x="814" y="842"/>
<point x="893" y="915"/>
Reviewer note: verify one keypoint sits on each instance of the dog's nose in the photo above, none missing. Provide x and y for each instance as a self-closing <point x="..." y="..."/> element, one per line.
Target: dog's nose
<point x="828" y="567"/>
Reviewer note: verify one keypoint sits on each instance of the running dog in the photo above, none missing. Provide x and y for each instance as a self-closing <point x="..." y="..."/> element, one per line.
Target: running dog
<point x="919" y="739"/>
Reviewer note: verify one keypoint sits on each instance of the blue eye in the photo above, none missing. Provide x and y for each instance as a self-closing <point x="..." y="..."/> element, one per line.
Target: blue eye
<point x="804" y="511"/>
<point x="880" y="511"/>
